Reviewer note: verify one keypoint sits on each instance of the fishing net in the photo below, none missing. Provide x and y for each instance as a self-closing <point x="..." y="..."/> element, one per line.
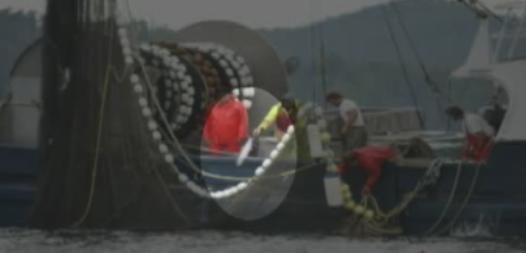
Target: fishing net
<point x="99" y="168"/>
<point x="121" y="129"/>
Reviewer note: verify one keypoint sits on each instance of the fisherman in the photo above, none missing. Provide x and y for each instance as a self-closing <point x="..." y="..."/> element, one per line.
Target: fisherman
<point x="353" y="130"/>
<point x="370" y="160"/>
<point x="226" y="127"/>
<point x="290" y="112"/>
<point x="283" y="114"/>
<point x="479" y="134"/>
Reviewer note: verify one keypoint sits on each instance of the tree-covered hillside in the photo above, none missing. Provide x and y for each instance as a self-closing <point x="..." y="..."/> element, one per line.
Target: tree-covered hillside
<point x="361" y="57"/>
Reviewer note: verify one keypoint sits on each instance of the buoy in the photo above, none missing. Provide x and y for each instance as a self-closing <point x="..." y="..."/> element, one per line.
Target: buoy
<point x="280" y="146"/>
<point x="169" y="158"/>
<point x="183" y="178"/>
<point x="369" y="215"/>
<point x="326" y="137"/>
<point x="138" y="88"/>
<point x="163" y="148"/>
<point x="267" y="163"/>
<point x="128" y="60"/>
<point x="134" y="79"/>
<point x="259" y="171"/>
<point x="126" y="51"/>
<point x="350" y="205"/>
<point x="122" y="32"/>
<point x="157" y="135"/>
<point x="274" y="154"/>
<point x="203" y="192"/>
<point x="125" y="43"/>
<point x="249" y="91"/>
<point x="286" y="137"/>
<point x="359" y="209"/>
<point x="152" y="125"/>
<point x="193" y="187"/>
<point x="247" y="103"/>
<point x="347" y="194"/>
<point x="242" y="186"/>
<point x="146" y="112"/>
<point x="143" y="102"/>
<point x="146" y="47"/>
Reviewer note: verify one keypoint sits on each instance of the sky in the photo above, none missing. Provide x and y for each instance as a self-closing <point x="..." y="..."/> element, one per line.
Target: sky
<point x="252" y="13"/>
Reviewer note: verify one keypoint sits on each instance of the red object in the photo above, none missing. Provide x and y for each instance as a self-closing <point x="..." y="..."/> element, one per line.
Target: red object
<point x="370" y="160"/>
<point x="226" y="126"/>
<point x="478" y="147"/>
<point x="283" y="121"/>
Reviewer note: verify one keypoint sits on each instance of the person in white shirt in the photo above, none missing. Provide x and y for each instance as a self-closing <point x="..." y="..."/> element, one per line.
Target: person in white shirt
<point x="479" y="134"/>
<point x="353" y="130"/>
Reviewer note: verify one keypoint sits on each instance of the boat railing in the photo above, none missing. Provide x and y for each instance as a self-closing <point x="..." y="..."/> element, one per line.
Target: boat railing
<point x="381" y="121"/>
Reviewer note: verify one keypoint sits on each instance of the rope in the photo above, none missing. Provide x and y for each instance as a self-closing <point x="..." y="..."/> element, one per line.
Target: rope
<point x="465" y="201"/>
<point x="433" y="227"/>
<point x="380" y="219"/>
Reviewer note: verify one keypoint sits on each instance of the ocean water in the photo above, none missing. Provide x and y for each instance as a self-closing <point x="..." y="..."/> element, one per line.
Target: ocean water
<point x="17" y="240"/>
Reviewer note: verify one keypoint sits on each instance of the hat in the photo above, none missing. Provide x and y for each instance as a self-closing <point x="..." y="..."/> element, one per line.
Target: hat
<point x="286" y="98"/>
<point x="455" y="111"/>
<point x="333" y="95"/>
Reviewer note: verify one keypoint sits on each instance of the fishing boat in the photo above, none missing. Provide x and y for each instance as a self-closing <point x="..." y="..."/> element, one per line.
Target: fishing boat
<point x="118" y="140"/>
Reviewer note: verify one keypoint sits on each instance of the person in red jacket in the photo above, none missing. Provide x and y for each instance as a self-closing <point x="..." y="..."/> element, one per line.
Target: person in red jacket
<point x="369" y="159"/>
<point x="479" y="134"/>
<point x="226" y="127"/>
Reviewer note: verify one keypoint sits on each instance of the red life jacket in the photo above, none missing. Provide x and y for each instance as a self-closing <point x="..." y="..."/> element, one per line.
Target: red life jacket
<point x="226" y="126"/>
<point x="283" y="121"/>
<point x="371" y="160"/>
<point x="478" y="147"/>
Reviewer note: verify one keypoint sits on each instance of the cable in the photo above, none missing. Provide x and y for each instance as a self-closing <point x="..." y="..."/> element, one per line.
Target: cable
<point x="433" y="227"/>
<point x="412" y="45"/>
<point x="465" y="201"/>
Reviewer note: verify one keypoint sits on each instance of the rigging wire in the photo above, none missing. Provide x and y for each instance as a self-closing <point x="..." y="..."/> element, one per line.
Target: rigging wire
<point x="434" y="86"/>
<point x="412" y="45"/>
<point x="405" y="71"/>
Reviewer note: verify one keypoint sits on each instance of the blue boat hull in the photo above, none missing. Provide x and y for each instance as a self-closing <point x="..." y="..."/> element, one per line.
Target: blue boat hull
<point x="18" y="174"/>
<point x="498" y="200"/>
